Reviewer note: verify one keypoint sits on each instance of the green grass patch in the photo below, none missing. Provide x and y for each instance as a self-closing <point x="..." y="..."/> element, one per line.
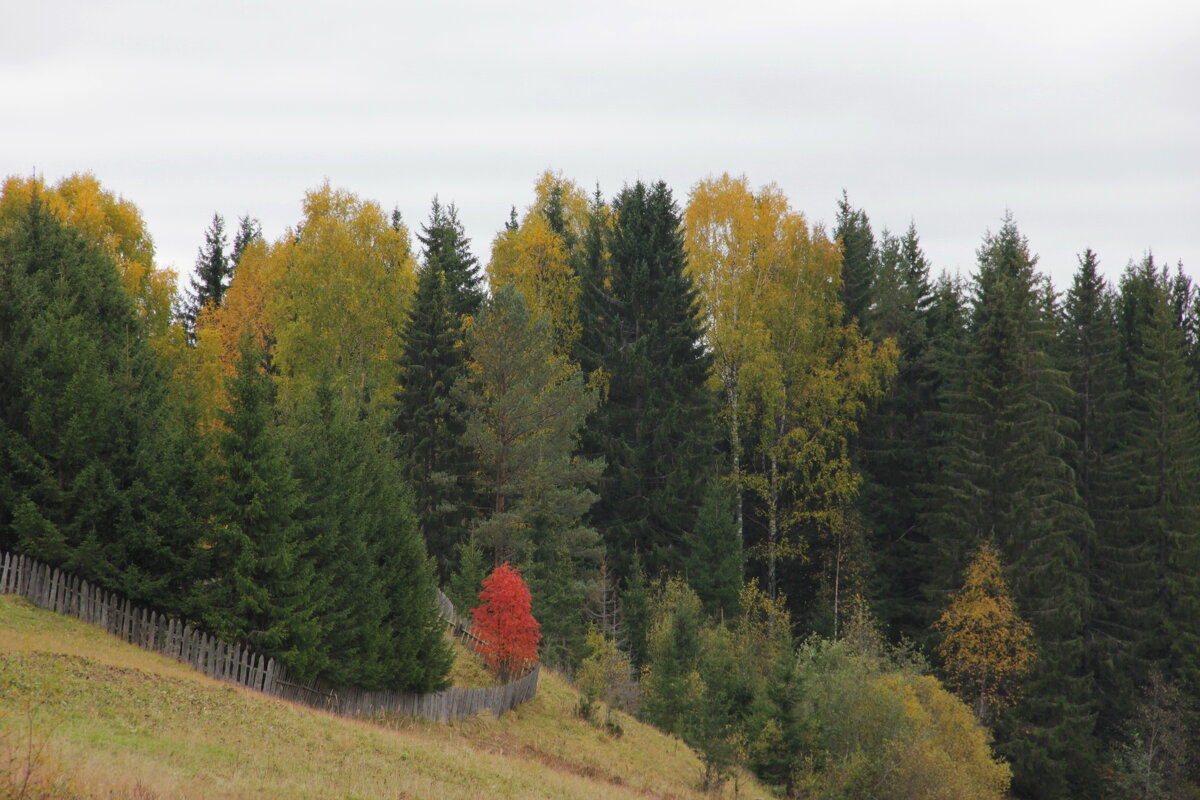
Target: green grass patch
<point x="114" y="721"/>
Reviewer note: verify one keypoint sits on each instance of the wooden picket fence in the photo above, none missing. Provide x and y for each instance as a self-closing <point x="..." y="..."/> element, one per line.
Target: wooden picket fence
<point x="459" y="625"/>
<point x="63" y="593"/>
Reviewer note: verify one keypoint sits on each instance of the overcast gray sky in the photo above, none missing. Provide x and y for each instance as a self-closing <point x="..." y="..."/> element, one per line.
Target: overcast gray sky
<point x="1083" y="118"/>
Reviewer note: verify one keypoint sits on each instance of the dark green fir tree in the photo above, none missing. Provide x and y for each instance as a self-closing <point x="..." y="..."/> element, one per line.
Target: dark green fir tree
<point x="1160" y="460"/>
<point x="1090" y="358"/>
<point x="860" y="261"/>
<point x="417" y="657"/>
<point x="212" y="274"/>
<point x="81" y="399"/>
<point x="428" y="418"/>
<point x="895" y="442"/>
<point x="656" y="426"/>
<point x="258" y="582"/>
<point x="713" y="560"/>
<point x="1005" y="475"/>
<point x="343" y="477"/>
<point x="249" y="230"/>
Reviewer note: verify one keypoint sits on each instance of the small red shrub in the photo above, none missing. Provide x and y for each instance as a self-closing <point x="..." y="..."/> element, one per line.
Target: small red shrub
<point x="505" y="623"/>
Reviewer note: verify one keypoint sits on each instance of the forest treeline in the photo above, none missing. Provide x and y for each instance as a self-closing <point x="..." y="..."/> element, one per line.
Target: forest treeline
<point x="787" y="478"/>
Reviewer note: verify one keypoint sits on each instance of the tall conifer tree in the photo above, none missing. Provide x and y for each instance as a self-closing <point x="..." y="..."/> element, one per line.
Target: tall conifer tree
<point x="1160" y="597"/>
<point x="893" y="448"/>
<point x="428" y="419"/>
<point x="860" y="260"/>
<point x="345" y="513"/>
<point x="1090" y="356"/>
<point x="1005" y="475"/>
<point x="257" y="584"/>
<point x="213" y="271"/>
<point x="81" y="397"/>
<point x="249" y="230"/>
<point x="656" y="430"/>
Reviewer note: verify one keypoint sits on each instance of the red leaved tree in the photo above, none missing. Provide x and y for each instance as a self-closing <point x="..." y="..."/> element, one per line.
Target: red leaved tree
<point x="503" y="621"/>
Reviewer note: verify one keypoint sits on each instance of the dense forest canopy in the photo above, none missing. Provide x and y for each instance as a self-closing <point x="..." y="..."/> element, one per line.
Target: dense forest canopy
<point x="774" y="482"/>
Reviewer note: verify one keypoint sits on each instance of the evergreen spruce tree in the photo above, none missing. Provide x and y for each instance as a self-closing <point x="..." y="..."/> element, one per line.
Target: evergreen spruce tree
<point x="428" y="419"/>
<point x="258" y="581"/>
<point x="635" y="609"/>
<point x="1090" y="354"/>
<point x="669" y="691"/>
<point x="860" y="260"/>
<point x="417" y="657"/>
<point x="345" y="517"/>
<point x="656" y="430"/>
<point x="714" y="560"/>
<point x="1005" y="476"/>
<point x="471" y="569"/>
<point x="1090" y="347"/>
<point x="445" y="245"/>
<point x="894" y="445"/>
<point x="930" y="547"/>
<point x="213" y="271"/>
<point x="178" y="498"/>
<point x="591" y="255"/>
<point x="1160" y="460"/>
<point x="81" y="398"/>
<point x="249" y="230"/>
<point x="557" y="588"/>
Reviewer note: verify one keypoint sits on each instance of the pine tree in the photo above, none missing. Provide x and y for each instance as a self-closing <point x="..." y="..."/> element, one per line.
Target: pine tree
<point x="860" y="261"/>
<point x="213" y="272"/>
<point x="428" y="419"/>
<point x="525" y="406"/>
<point x="656" y="429"/>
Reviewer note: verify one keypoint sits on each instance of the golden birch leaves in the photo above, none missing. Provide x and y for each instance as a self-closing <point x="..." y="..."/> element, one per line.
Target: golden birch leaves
<point x="986" y="648"/>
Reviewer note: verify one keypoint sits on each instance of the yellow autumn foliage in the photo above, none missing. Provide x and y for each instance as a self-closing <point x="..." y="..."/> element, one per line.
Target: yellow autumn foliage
<point x="330" y="296"/>
<point x="784" y="359"/>
<point x="116" y="226"/>
<point x="536" y="259"/>
<point x="886" y="732"/>
<point x="986" y="647"/>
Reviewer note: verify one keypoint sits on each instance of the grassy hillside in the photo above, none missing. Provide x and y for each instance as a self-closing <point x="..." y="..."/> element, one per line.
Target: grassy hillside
<point x="111" y="720"/>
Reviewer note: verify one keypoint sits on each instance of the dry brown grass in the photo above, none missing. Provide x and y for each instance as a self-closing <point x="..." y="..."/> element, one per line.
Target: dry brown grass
<point x="118" y="722"/>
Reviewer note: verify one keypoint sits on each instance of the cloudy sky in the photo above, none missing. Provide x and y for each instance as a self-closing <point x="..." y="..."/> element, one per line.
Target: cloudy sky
<point x="1083" y="118"/>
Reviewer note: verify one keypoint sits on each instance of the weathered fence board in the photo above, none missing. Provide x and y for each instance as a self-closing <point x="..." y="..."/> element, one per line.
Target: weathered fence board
<point x="235" y="663"/>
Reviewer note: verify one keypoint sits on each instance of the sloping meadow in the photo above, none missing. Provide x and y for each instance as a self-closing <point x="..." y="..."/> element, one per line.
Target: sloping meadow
<point x="106" y="719"/>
